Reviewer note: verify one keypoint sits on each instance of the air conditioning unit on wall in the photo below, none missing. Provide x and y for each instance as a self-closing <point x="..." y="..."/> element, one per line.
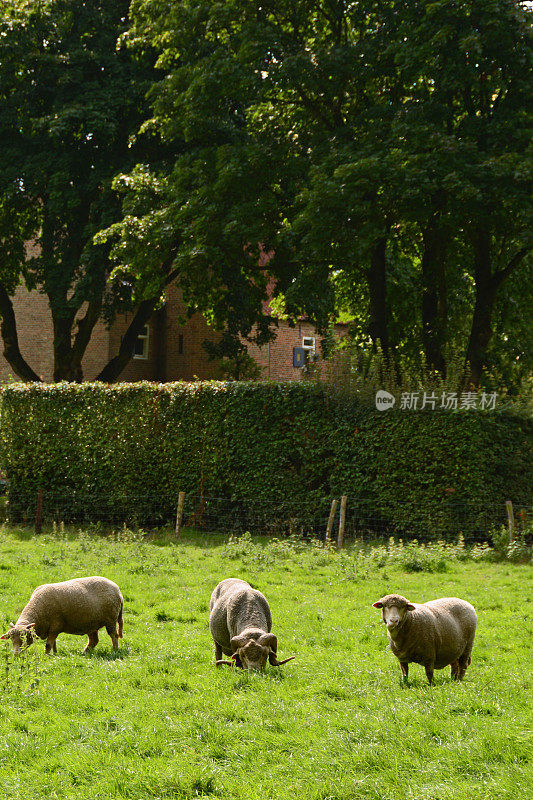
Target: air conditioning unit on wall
<point x="299" y="357"/>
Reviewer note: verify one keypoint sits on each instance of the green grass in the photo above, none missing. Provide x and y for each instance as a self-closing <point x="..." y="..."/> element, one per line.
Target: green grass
<point x="158" y="720"/>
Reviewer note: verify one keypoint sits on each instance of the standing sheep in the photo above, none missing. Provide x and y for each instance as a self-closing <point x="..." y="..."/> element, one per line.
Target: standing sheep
<point x="434" y="634"/>
<point x="79" y="606"/>
<point x="240" y="622"/>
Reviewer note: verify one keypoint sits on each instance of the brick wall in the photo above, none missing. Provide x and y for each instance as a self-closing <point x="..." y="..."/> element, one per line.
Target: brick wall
<point x="192" y="362"/>
<point x="276" y="358"/>
<point x="175" y="349"/>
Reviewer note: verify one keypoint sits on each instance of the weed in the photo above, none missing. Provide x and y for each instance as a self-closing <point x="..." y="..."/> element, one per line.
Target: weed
<point x="520" y="550"/>
<point x="21" y="673"/>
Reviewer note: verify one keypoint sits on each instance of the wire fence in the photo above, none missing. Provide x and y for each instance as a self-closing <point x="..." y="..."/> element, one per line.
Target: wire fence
<point x="353" y="517"/>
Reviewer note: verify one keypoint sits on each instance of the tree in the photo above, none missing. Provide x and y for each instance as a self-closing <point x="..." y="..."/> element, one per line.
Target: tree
<point x="472" y="94"/>
<point x="71" y="103"/>
<point x="381" y="150"/>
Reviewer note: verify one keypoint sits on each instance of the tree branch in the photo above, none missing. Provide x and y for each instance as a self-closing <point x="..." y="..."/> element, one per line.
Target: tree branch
<point x="114" y="367"/>
<point x="86" y="327"/>
<point x="504" y="273"/>
<point x="146" y="308"/>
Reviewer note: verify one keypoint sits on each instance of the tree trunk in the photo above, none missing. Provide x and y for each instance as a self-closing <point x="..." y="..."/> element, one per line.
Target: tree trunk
<point x="434" y="299"/>
<point x="8" y="329"/>
<point x="114" y="367"/>
<point x="65" y="368"/>
<point x="161" y="344"/>
<point x="487" y="285"/>
<point x="481" y="330"/>
<point x="68" y="354"/>
<point x="377" y="279"/>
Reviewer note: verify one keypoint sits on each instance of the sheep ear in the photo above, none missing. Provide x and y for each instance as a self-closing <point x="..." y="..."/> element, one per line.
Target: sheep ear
<point x="6" y="635"/>
<point x="377" y="604"/>
<point x="410" y="607"/>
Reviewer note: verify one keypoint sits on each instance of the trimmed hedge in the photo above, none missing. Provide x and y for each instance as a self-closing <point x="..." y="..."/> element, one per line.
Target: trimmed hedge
<point x="131" y="447"/>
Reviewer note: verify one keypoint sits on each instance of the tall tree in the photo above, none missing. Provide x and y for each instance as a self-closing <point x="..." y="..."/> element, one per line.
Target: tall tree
<point x="70" y="104"/>
<point x="379" y="148"/>
<point x="470" y="70"/>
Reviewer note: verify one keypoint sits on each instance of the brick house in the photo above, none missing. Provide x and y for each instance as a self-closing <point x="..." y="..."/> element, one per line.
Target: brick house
<point x="168" y="349"/>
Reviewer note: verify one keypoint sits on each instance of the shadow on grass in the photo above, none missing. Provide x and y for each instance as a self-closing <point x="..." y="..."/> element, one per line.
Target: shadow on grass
<point x="19" y="532"/>
<point x="244" y="681"/>
<point x="421" y="683"/>
<point x="159" y="537"/>
<point x="110" y="655"/>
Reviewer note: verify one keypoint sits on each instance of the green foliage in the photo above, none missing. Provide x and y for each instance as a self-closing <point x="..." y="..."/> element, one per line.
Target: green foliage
<point x="352" y="369"/>
<point x="292" y="446"/>
<point x="158" y="720"/>
<point x="71" y="105"/>
<point x="518" y="550"/>
<point x="19" y="674"/>
<point x="243" y="367"/>
<point x="334" y="133"/>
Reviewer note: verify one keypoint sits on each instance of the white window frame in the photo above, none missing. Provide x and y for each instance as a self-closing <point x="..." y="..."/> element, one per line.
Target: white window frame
<point x="308" y="346"/>
<point x="145" y="338"/>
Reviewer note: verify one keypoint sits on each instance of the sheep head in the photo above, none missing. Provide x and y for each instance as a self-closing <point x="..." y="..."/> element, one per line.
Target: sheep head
<point x="252" y="654"/>
<point x="394" y="608"/>
<point x="21" y="636"/>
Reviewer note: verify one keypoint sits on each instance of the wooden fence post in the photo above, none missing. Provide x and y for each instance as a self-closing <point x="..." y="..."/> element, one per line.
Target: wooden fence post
<point x="510" y="519"/>
<point x="179" y="514"/>
<point x="342" y="520"/>
<point x="333" y="511"/>
<point x="39" y="512"/>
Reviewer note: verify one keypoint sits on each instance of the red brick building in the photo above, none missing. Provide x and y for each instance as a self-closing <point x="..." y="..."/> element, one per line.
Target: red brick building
<point x="168" y="350"/>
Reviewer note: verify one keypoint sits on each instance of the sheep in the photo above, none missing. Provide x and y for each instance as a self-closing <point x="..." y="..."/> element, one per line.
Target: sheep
<point x="79" y="606"/>
<point x="434" y="634"/>
<point x="240" y="622"/>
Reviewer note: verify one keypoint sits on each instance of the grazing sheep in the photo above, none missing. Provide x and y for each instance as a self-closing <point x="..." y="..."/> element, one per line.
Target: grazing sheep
<point x="240" y="623"/>
<point x="79" y="606"/>
<point x="434" y="634"/>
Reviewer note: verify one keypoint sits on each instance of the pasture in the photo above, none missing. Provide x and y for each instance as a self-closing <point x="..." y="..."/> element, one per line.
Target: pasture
<point x="158" y="720"/>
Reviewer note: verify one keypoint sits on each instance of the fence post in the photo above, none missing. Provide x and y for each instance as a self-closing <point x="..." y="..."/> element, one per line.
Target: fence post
<point x="333" y="511"/>
<point x="342" y="519"/>
<point x="39" y="512"/>
<point x="510" y="519"/>
<point x="179" y="514"/>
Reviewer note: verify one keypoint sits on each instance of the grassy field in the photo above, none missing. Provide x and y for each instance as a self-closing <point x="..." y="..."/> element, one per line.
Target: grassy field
<point x="158" y="720"/>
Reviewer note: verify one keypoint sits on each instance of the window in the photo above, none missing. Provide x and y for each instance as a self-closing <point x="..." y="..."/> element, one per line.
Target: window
<point x="308" y="342"/>
<point x="141" y="345"/>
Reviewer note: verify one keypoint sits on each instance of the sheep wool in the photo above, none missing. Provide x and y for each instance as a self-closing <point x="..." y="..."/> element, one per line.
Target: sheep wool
<point x="240" y="622"/>
<point x="436" y="634"/>
<point x="80" y="606"/>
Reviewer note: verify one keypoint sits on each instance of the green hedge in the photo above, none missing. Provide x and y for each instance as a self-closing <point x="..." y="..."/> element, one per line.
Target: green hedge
<point x="130" y="448"/>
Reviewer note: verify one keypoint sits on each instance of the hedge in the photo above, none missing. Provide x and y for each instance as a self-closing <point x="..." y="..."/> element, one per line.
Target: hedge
<point x="131" y="448"/>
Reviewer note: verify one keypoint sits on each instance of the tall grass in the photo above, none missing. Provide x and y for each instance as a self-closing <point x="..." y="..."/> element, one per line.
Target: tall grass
<point x="158" y="720"/>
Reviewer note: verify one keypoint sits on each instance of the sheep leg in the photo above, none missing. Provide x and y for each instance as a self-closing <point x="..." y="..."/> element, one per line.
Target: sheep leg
<point x="454" y="667"/>
<point x="463" y="662"/>
<point x="405" y="669"/>
<point x="429" y="672"/>
<point x="218" y="652"/>
<point x="51" y="643"/>
<point x="112" y="631"/>
<point x="93" y="641"/>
